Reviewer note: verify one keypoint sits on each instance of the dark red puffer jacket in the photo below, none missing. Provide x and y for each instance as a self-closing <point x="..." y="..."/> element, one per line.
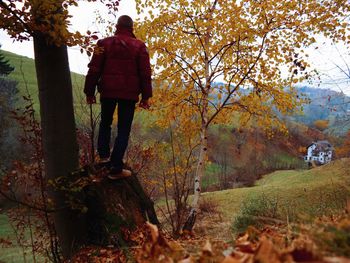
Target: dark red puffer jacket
<point x="120" y="68"/>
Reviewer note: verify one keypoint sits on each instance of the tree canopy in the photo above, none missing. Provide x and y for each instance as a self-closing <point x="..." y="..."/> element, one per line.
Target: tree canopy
<point x="214" y="57"/>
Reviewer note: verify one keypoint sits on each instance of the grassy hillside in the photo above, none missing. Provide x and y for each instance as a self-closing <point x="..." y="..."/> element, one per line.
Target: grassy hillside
<point x="25" y="75"/>
<point x="305" y="192"/>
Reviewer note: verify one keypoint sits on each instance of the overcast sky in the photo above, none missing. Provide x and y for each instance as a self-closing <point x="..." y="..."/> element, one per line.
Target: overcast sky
<point x="324" y="58"/>
<point x="83" y="19"/>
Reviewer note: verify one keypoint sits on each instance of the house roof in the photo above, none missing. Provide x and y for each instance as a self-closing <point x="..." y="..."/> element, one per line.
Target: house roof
<point x="322" y="146"/>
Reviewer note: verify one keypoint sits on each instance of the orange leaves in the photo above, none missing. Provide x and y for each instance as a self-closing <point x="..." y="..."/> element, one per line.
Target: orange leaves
<point x="321" y="124"/>
<point x="99" y="255"/>
<point x="266" y="252"/>
<point x="271" y="245"/>
<point x="207" y="249"/>
<point x="302" y="150"/>
<point x="49" y="17"/>
<point x="344" y="150"/>
<point x="268" y="249"/>
<point x="156" y="248"/>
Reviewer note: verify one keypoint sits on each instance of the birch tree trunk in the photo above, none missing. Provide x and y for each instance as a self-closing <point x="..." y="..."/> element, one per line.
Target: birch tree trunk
<point x="188" y="226"/>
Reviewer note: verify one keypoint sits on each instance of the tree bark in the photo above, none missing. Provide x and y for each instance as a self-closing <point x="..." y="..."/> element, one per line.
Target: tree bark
<point x="60" y="148"/>
<point x="114" y="206"/>
<point x="188" y="226"/>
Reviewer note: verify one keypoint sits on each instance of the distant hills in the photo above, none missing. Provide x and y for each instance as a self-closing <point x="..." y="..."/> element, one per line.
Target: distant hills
<point x="325" y="104"/>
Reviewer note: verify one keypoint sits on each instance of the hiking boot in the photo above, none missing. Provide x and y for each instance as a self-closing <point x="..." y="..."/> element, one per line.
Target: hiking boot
<point x="103" y="160"/>
<point x="104" y="163"/>
<point x="117" y="174"/>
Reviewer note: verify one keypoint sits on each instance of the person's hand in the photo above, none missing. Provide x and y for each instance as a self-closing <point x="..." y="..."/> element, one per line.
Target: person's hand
<point x="90" y="99"/>
<point x="144" y="103"/>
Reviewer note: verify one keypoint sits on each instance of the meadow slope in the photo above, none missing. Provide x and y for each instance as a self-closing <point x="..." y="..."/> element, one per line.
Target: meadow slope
<point x="25" y="75"/>
<point x="305" y="188"/>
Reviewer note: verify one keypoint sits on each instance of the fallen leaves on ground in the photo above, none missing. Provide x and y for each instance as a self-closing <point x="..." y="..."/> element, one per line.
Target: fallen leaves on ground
<point x="270" y="245"/>
<point x="100" y="255"/>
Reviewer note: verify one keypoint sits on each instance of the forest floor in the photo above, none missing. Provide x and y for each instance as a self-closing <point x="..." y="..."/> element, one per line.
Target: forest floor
<point x="288" y="216"/>
<point x="288" y="204"/>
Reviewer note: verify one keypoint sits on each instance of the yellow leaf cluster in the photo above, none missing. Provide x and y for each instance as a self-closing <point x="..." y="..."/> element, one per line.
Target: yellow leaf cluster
<point x="244" y="45"/>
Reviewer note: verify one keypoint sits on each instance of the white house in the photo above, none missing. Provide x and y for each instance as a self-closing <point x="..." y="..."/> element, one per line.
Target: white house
<point x="320" y="152"/>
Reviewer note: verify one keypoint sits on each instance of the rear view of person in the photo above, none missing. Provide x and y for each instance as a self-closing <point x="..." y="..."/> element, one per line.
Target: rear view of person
<point x="120" y="69"/>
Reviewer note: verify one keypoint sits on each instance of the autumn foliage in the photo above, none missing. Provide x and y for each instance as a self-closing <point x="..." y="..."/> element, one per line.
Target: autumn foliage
<point x="25" y="186"/>
<point x="344" y="150"/>
<point x="215" y="62"/>
<point x="47" y="23"/>
<point x="272" y="244"/>
<point x="217" y="59"/>
<point x="24" y="19"/>
<point x="321" y="124"/>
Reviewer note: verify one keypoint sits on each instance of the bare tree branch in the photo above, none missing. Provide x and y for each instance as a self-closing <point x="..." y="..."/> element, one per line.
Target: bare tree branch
<point x="184" y="69"/>
<point x="15" y="200"/>
<point x="240" y="82"/>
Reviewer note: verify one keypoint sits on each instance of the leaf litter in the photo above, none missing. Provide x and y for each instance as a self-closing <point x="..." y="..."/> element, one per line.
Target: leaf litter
<point x="272" y="244"/>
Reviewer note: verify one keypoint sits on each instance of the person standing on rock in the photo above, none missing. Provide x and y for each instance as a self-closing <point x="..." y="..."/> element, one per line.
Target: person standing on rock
<point x="120" y="69"/>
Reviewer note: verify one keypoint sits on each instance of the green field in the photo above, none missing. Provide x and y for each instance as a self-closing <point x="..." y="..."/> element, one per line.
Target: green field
<point x="307" y="192"/>
<point x="25" y="75"/>
<point x="13" y="254"/>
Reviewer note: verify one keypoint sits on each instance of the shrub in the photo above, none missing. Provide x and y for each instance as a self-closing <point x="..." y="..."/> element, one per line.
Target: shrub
<point x="262" y="209"/>
<point x="208" y="206"/>
<point x="256" y="211"/>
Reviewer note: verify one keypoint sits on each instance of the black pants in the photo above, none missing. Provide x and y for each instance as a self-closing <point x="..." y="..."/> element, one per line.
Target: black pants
<point x="126" y="109"/>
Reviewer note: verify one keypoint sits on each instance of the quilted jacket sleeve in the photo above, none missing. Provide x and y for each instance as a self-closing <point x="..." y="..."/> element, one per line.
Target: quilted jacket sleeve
<point x="95" y="70"/>
<point x="145" y="72"/>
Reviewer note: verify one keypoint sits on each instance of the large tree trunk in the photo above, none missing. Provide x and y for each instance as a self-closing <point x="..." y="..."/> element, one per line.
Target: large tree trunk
<point x="114" y="206"/>
<point x="60" y="148"/>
